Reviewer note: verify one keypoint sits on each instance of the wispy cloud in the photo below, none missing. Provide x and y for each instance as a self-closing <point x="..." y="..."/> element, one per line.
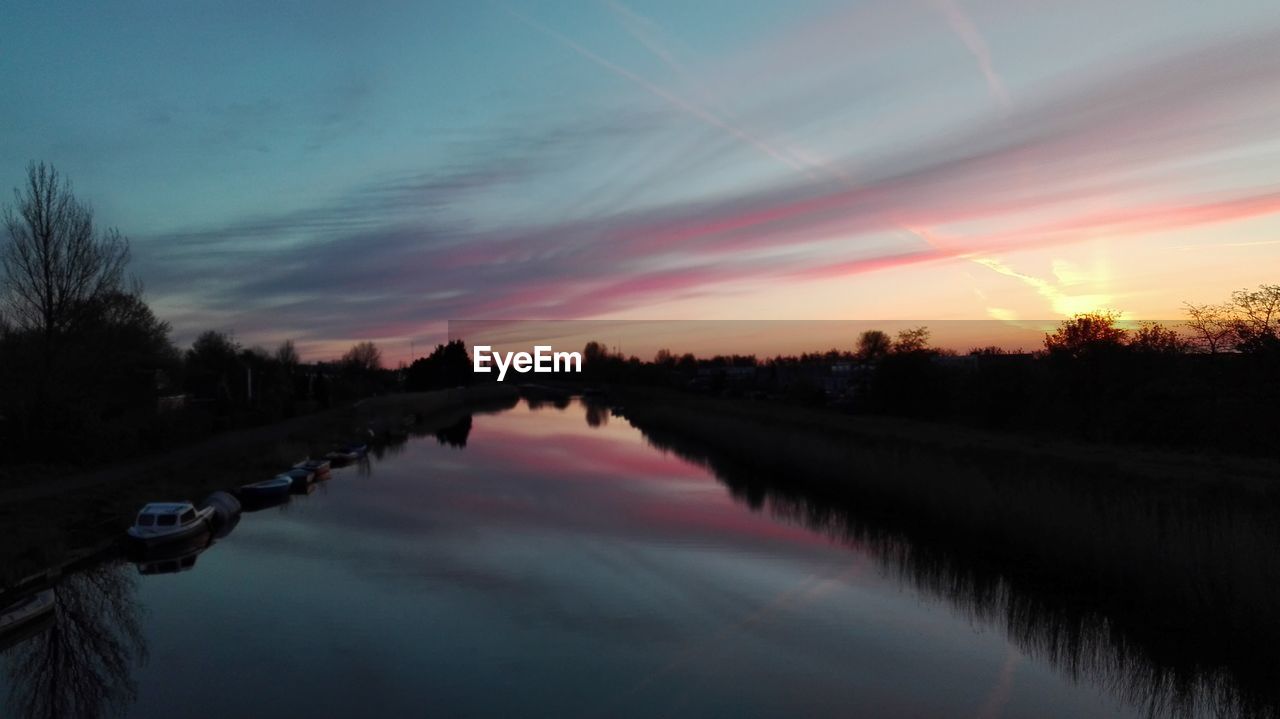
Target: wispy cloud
<point x="1096" y="154"/>
<point x="674" y="100"/>
<point x="968" y="33"/>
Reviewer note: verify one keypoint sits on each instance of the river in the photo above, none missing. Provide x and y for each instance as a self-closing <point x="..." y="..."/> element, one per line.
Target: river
<point x="535" y="561"/>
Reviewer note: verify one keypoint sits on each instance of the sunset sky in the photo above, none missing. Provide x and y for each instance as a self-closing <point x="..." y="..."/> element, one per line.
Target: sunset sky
<point x="335" y="171"/>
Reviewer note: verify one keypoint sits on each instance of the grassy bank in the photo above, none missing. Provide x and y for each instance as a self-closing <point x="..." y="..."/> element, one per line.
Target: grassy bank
<point x="1152" y="575"/>
<point x="1090" y="457"/>
<point x="49" y="520"/>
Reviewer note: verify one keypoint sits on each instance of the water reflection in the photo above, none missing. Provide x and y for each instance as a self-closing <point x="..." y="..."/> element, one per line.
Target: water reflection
<point x="182" y="560"/>
<point x="82" y="666"/>
<point x="657" y="594"/>
<point x="597" y="414"/>
<point x="258" y="504"/>
<point x="391" y="446"/>
<point x="455" y="435"/>
<point x="1161" y="639"/>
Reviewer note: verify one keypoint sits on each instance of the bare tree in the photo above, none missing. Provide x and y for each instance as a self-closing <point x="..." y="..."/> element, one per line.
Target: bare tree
<point x="363" y="357"/>
<point x="56" y="266"/>
<point x="287" y="355"/>
<point x="1212" y="326"/>
<point x="1257" y="316"/>
<point x="1260" y="307"/>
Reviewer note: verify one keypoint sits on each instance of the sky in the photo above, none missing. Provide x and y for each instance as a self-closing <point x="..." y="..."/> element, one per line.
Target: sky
<point x="330" y="172"/>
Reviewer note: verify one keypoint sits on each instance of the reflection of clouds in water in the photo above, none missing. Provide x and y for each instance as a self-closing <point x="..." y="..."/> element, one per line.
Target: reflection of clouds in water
<point x="1160" y="651"/>
<point x="626" y="514"/>
<point x="83" y="665"/>
<point x="998" y="699"/>
<point x="790" y="599"/>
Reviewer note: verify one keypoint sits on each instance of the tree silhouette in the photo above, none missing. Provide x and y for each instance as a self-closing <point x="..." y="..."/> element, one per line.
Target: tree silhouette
<point x="448" y="365"/>
<point x="57" y="266"/>
<point x="1085" y="334"/>
<point x="287" y="355"/>
<point x="912" y="340"/>
<point x="363" y="357"/>
<point x="1257" y="321"/>
<point x="1212" y="326"/>
<point x="1155" y="338"/>
<point x="873" y="345"/>
<point x="213" y="366"/>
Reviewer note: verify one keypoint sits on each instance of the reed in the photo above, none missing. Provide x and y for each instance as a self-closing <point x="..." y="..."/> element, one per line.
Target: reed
<point x="1158" y="587"/>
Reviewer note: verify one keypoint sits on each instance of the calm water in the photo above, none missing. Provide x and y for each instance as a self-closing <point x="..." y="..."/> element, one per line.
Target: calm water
<point x="556" y="565"/>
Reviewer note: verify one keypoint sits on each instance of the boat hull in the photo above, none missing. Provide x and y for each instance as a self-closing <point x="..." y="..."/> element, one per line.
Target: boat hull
<point x="193" y="531"/>
<point x="266" y="490"/>
<point x="319" y="467"/>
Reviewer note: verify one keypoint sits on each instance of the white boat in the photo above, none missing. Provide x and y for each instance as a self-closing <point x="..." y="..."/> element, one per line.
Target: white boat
<point x="162" y="522"/>
<point x="25" y="610"/>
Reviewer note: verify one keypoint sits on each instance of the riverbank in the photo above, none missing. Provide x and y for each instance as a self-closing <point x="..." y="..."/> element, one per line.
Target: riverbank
<point x="50" y="520"/>
<point x="1148" y="570"/>
<point x="713" y="419"/>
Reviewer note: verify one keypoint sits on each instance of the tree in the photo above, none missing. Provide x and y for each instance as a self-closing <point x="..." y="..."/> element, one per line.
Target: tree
<point x="57" y="266"/>
<point x="1257" y="320"/>
<point x="594" y="353"/>
<point x="448" y="365"/>
<point x="988" y="351"/>
<point x="287" y="355"/>
<point x="363" y="357"/>
<point x="213" y="348"/>
<point x="124" y="338"/>
<point x="873" y="345"/>
<point x="1155" y="338"/>
<point x="1212" y="326"/>
<point x="912" y="340"/>
<point x="213" y="367"/>
<point x="1260" y="308"/>
<point x="1085" y="334"/>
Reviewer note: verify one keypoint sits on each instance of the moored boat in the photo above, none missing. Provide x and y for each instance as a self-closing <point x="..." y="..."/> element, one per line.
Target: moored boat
<point x="226" y="508"/>
<point x="349" y="453"/>
<point x="316" y="466"/>
<point x="301" y="478"/>
<point x="163" y="522"/>
<point x="252" y="504"/>
<point x="340" y="458"/>
<point x="226" y="528"/>
<point x="277" y="486"/>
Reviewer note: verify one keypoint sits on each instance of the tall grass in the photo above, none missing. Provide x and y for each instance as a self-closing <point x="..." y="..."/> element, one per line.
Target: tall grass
<point x="1161" y="589"/>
